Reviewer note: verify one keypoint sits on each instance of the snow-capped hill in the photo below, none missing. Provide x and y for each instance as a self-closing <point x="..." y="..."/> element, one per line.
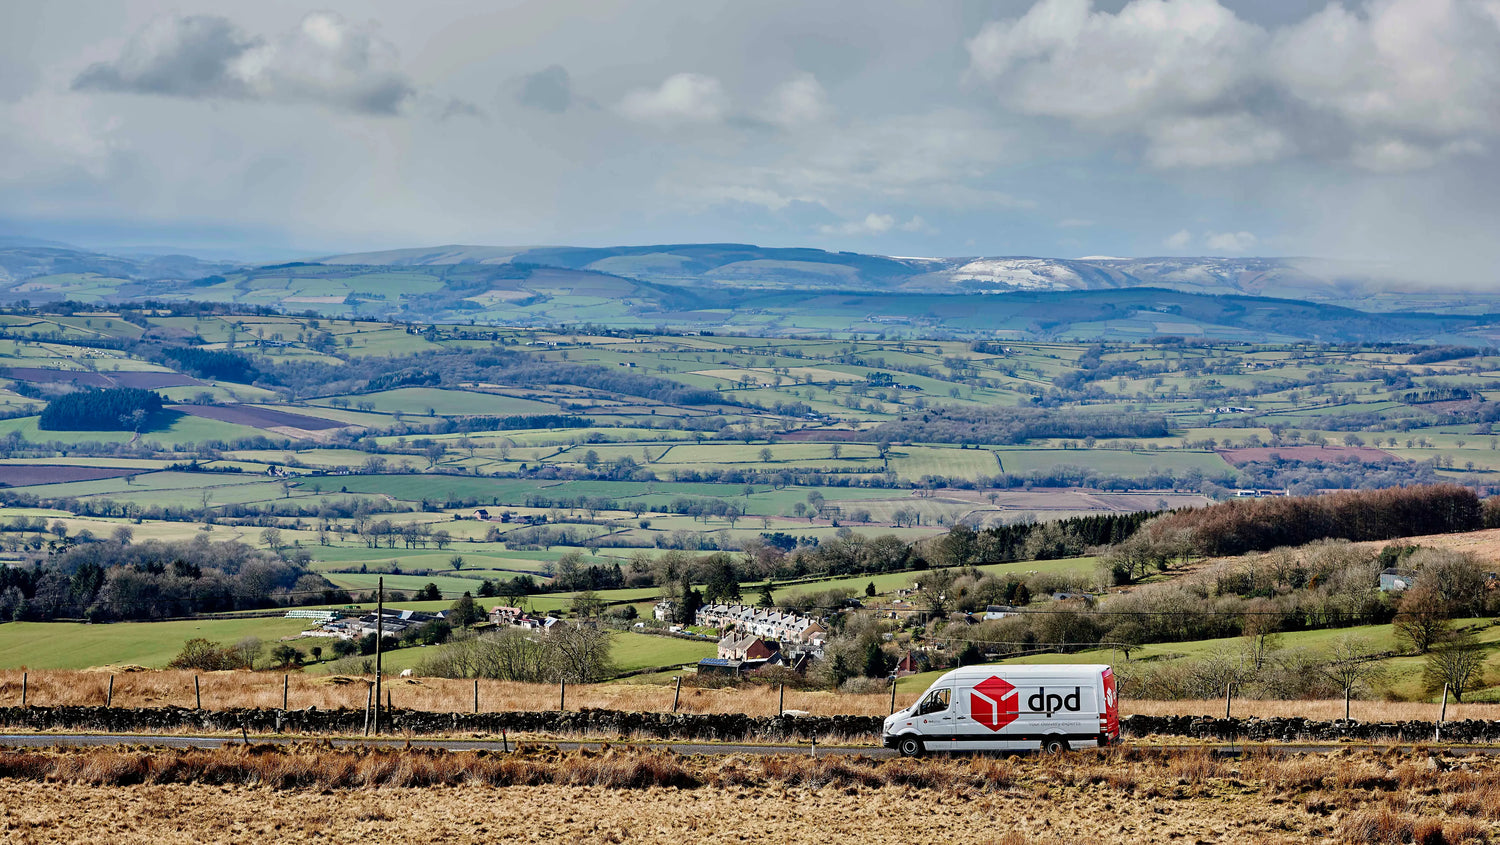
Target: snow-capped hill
<point x="1017" y="274"/>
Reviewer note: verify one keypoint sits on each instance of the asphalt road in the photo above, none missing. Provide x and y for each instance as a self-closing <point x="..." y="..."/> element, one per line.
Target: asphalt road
<point x="170" y="741"/>
<point x="707" y="749"/>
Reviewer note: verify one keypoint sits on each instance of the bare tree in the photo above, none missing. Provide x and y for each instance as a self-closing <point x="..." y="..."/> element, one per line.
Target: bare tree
<point x="1353" y="664"/>
<point x="1457" y="662"/>
<point x="1422" y="620"/>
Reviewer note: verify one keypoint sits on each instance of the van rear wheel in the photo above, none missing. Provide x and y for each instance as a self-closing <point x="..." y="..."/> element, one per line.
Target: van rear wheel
<point x="1055" y="746"/>
<point x="910" y="747"/>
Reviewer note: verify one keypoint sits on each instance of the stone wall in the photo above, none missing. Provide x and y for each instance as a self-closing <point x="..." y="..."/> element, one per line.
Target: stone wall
<point x="1294" y="729"/>
<point x="731" y="727"/>
<point x="603" y="723"/>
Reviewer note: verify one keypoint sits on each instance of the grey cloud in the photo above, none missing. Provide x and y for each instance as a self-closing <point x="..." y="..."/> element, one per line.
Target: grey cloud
<point x="455" y="107"/>
<point x="549" y="90"/>
<point x="176" y="57"/>
<point x="324" y="60"/>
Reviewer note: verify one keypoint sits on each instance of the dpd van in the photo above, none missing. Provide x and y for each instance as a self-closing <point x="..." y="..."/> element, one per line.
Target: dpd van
<point x="1010" y="708"/>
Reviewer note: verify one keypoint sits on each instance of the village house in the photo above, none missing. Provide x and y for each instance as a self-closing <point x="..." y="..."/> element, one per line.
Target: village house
<point x="516" y="618"/>
<point x="746" y="648"/>
<point x="664" y="610"/>
<point x="908" y="665"/>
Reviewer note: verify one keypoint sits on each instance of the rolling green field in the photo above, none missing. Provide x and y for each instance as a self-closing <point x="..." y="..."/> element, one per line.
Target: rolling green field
<point x="810" y="436"/>
<point x="73" y="645"/>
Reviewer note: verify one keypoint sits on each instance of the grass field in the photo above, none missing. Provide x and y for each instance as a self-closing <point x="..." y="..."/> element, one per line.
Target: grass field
<point x="645" y="651"/>
<point x="416" y="401"/>
<point x="182" y="430"/>
<point x="71" y="645"/>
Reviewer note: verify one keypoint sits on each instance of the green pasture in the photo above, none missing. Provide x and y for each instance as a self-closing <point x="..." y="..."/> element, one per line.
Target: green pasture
<point x="181" y="430"/>
<point x="415" y="401"/>
<point x="75" y="645"/>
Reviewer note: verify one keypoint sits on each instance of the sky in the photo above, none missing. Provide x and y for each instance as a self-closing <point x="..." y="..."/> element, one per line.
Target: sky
<point x="1366" y="129"/>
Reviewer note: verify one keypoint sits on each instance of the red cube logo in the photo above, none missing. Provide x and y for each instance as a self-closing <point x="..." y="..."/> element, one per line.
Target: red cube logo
<point x="994" y="703"/>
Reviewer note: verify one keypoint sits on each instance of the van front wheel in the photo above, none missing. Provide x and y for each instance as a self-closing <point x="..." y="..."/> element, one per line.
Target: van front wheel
<point x="1055" y="746"/>
<point x="910" y="747"/>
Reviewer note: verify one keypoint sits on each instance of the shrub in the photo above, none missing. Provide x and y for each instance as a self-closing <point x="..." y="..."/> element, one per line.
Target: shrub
<point x="206" y="656"/>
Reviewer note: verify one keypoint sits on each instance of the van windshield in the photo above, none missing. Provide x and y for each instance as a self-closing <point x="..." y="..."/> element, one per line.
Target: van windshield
<point x="936" y="701"/>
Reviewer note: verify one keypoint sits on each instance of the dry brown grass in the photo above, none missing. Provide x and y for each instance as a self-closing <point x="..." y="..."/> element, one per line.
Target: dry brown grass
<point x="162" y="688"/>
<point x="1330" y="709"/>
<point x="312" y="792"/>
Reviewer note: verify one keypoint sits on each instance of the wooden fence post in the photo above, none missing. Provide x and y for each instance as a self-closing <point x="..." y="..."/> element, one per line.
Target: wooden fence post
<point x="562" y="697"/>
<point x="23" y="689"/>
<point x="781" y="700"/>
<point x="109" y="697"/>
<point x="286" y="683"/>
<point x="1437" y="731"/>
<point x="1228" y="693"/>
<point x="197" y="692"/>
<point x="369" y="699"/>
<point x="476" y="696"/>
<point x="677" y="693"/>
<point x="893" y="695"/>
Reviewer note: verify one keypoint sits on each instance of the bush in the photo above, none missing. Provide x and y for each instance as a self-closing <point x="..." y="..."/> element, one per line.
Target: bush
<point x="206" y="656"/>
<point x="285" y="656"/>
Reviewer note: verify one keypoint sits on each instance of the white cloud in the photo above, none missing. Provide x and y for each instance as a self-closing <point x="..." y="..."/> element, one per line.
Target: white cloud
<point x="681" y="98"/>
<point x="324" y="60"/>
<point x="1064" y="59"/>
<point x="1179" y="240"/>
<point x="876" y="224"/>
<point x="1229" y="241"/>
<point x="1384" y="85"/>
<point x="797" y="102"/>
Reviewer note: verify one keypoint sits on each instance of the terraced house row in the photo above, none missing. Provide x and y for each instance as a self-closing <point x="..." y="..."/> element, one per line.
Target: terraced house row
<point x="762" y="622"/>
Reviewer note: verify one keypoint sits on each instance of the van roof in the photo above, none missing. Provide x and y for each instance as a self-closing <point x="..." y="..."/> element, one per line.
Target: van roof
<point x="1030" y="670"/>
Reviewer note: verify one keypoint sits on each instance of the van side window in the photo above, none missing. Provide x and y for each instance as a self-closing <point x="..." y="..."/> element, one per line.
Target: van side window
<point x="936" y="701"/>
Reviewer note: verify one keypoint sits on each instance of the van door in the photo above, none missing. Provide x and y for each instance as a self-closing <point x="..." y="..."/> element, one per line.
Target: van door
<point x="935" y="717"/>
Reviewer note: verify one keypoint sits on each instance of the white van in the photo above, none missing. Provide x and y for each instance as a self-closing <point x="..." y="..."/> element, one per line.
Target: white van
<point x="1010" y="708"/>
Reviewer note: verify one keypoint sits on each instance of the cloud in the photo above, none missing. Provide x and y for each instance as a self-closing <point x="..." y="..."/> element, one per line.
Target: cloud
<point x="1389" y="84"/>
<point x="548" y="90"/>
<point x="1179" y="240"/>
<point x="1229" y="241"/>
<point x="875" y="224"/>
<point x="1222" y="140"/>
<point x="681" y="98"/>
<point x="454" y="107"/>
<point x="797" y="102"/>
<point x="324" y="60"/>
<point x="1065" y="60"/>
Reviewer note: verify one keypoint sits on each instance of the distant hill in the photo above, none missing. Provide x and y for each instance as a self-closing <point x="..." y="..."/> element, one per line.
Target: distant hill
<point x="749" y="266"/>
<point x="741" y="288"/>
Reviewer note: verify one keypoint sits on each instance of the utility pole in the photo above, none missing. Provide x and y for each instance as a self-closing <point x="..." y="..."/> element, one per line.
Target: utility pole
<point x="379" y="635"/>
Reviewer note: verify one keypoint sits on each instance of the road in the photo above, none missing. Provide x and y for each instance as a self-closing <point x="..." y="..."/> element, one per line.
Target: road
<point x="708" y="749"/>
<point x="171" y="741"/>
